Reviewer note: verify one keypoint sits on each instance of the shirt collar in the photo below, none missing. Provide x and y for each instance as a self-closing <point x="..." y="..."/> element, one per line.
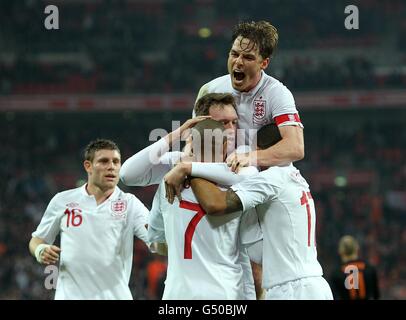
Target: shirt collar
<point x="84" y="192"/>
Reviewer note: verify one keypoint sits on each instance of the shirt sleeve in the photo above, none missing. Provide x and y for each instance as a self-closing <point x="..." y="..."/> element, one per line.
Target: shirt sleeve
<point x="140" y="221"/>
<point x="260" y="188"/>
<point x="220" y="173"/>
<point x="250" y="228"/>
<point x="255" y="252"/>
<point x="156" y="229"/>
<point x="147" y="166"/>
<point x="284" y="111"/>
<point x="247" y="277"/>
<point x="50" y="224"/>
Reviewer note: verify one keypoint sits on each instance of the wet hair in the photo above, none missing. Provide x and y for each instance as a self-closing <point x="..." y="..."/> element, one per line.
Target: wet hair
<point x="261" y="33"/>
<point x="203" y="105"/>
<point x="268" y="135"/>
<point x="99" y="144"/>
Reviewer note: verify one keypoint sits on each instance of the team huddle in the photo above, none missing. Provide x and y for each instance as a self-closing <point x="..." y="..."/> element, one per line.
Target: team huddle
<point x="232" y="213"/>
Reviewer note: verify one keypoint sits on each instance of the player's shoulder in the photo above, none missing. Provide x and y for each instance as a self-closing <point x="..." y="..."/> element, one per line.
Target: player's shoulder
<point x="274" y="86"/>
<point x="219" y="84"/>
<point x="271" y="81"/>
<point x="281" y="175"/>
<point x="274" y="174"/>
<point x="69" y="194"/>
<point x="296" y="177"/>
<point x="122" y="195"/>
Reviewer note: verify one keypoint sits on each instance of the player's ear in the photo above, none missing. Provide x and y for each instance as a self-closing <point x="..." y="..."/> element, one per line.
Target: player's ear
<point x="225" y="149"/>
<point x="88" y="166"/>
<point x="265" y="63"/>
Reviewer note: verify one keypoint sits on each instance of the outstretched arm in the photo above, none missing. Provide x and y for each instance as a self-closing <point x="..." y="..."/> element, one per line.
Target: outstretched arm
<point x="219" y="173"/>
<point x="213" y="200"/>
<point x="146" y="166"/>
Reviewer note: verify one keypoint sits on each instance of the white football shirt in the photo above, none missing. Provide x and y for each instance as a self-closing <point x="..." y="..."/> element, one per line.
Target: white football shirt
<point x="287" y="217"/>
<point x="203" y="251"/>
<point x="96" y="242"/>
<point x="268" y="101"/>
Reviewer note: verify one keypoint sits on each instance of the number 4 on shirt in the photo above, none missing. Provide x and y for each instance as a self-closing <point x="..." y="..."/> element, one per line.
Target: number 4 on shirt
<point x="190" y="230"/>
<point x="304" y="200"/>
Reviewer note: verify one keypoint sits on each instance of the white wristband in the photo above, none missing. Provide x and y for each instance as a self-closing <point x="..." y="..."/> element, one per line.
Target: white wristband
<point x="39" y="250"/>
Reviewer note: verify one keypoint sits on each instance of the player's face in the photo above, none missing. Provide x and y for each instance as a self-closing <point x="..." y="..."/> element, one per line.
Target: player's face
<point x="229" y="118"/>
<point x="226" y="115"/>
<point x="104" y="169"/>
<point x="245" y="64"/>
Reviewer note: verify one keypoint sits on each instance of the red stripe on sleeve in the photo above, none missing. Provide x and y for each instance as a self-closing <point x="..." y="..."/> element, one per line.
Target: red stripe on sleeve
<point x="287" y="118"/>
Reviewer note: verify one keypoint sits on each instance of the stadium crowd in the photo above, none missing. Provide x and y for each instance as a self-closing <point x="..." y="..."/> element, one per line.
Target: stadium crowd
<point x="188" y="42"/>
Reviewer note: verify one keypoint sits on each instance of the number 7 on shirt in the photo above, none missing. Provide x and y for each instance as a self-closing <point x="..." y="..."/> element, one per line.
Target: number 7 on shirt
<point x="191" y="228"/>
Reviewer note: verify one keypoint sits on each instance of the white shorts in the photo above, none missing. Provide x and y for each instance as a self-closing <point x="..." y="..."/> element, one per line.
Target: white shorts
<point x="310" y="288"/>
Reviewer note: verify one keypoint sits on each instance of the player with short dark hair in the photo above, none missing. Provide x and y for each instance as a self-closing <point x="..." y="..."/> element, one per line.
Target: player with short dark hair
<point x="99" y="144"/>
<point x="97" y="223"/>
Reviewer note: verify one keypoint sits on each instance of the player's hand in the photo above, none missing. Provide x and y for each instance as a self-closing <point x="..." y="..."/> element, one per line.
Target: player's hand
<point x="187" y="154"/>
<point x="50" y="255"/>
<point x="174" y="181"/>
<point x="237" y="161"/>
<point x="183" y="132"/>
<point x="184" y="128"/>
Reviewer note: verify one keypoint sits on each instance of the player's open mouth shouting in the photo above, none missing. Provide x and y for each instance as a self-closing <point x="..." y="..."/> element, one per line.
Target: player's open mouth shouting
<point x="238" y="76"/>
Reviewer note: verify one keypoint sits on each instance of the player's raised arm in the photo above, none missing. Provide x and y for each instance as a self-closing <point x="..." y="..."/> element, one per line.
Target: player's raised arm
<point x="289" y="149"/>
<point x="149" y="165"/>
<point x="216" y="172"/>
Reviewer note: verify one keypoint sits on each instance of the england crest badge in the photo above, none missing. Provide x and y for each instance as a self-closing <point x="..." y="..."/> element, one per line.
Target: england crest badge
<point x="119" y="208"/>
<point x="259" y="116"/>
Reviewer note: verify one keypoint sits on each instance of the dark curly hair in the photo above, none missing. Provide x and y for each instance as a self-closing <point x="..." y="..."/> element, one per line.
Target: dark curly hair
<point x="261" y="33"/>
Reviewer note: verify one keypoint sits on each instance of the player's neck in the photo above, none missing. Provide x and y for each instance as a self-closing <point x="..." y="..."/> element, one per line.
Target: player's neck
<point x="256" y="82"/>
<point x="99" y="194"/>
